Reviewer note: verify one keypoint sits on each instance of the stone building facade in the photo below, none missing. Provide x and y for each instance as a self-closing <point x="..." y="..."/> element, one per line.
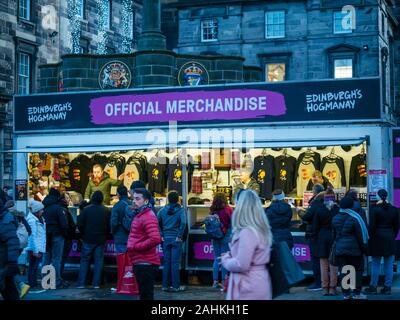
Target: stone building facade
<point x="298" y="40"/>
<point x="38" y="32"/>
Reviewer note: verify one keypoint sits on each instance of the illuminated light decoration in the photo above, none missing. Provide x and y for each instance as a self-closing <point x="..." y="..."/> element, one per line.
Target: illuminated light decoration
<point x="75" y="24"/>
<point x="102" y="7"/>
<point x="128" y="15"/>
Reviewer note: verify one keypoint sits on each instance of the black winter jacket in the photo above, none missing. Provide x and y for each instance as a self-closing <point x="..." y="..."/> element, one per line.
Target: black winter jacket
<point x="279" y="215"/>
<point x="9" y="243"/>
<point x="94" y="224"/>
<point x="56" y="221"/>
<point x="383" y="229"/>
<point x="322" y="229"/>
<point x="348" y="235"/>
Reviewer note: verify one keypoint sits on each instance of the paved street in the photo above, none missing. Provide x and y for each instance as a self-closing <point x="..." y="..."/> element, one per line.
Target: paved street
<point x="192" y="293"/>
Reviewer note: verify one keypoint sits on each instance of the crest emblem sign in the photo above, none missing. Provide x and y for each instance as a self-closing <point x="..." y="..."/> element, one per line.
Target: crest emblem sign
<point x="193" y="74"/>
<point x="115" y="75"/>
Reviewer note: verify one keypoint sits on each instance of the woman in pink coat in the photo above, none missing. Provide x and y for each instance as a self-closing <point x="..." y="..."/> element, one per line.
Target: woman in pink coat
<point x="250" y="249"/>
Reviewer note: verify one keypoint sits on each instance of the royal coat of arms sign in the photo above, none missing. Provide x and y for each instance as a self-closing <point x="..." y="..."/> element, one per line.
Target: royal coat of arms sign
<point x="115" y="75"/>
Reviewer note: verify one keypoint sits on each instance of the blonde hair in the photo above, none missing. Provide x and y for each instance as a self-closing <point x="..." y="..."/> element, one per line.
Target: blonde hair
<point x="249" y="213"/>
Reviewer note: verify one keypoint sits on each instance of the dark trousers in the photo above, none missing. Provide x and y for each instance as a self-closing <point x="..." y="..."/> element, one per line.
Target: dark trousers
<point x="66" y="251"/>
<point x="358" y="263"/>
<point x="145" y="277"/>
<point x="315" y="263"/>
<point x="33" y="269"/>
<point x="10" y="291"/>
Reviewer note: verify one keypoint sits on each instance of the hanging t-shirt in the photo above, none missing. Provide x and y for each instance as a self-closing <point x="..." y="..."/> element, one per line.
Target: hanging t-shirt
<point x="157" y="175"/>
<point x="175" y="174"/>
<point x="285" y="173"/>
<point x="264" y="173"/>
<point x="333" y="169"/>
<point x="358" y="171"/>
<point x="304" y="173"/>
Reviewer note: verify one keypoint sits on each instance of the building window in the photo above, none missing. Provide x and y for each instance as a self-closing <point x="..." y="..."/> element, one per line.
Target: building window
<point x="81" y="8"/>
<point x="209" y="30"/>
<point x="383" y="25"/>
<point x="341" y="22"/>
<point x="275" y="24"/>
<point x="24" y="73"/>
<point x="25" y="9"/>
<point x="275" y="72"/>
<point x="343" y="68"/>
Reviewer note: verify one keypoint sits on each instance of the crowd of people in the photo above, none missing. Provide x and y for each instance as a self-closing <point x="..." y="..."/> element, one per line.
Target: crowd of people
<point x="338" y="233"/>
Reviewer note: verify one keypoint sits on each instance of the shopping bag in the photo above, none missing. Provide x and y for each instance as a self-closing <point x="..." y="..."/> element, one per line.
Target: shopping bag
<point x="126" y="279"/>
<point x="284" y="271"/>
<point x="332" y="256"/>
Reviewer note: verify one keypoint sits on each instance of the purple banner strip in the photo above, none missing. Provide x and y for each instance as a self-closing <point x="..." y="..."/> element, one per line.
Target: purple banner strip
<point x="301" y="252"/>
<point x="187" y="106"/>
<point x="203" y="251"/>
<point x="396" y="198"/>
<point x="396" y="167"/>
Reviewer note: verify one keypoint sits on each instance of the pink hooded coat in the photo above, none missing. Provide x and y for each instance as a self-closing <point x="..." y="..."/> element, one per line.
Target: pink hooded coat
<point x="249" y="278"/>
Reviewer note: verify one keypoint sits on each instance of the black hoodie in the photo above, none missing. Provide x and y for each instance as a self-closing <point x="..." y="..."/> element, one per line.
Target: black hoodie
<point x="56" y="221"/>
<point x="94" y="223"/>
<point x="279" y="215"/>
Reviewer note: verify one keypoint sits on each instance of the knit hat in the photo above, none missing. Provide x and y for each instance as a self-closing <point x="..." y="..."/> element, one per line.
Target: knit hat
<point x="278" y="196"/>
<point x="35" y="206"/>
<point x="329" y="195"/>
<point x="382" y="194"/>
<point x="97" y="197"/>
<point x="346" y="203"/>
<point x="54" y="193"/>
<point x="317" y="188"/>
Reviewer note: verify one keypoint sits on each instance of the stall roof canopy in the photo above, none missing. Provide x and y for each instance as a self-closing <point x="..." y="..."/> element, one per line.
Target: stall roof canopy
<point x="329" y="100"/>
<point x="136" y="146"/>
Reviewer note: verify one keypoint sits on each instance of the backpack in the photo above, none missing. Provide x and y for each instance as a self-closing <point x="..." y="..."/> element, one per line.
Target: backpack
<point x="214" y="227"/>
<point x="22" y="235"/>
<point x="127" y="219"/>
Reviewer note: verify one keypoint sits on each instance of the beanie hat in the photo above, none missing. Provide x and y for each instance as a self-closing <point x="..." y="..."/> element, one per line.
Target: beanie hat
<point x="317" y="188"/>
<point x="382" y="194"/>
<point x="138" y="184"/>
<point x="346" y="203"/>
<point x="97" y="197"/>
<point x="278" y="196"/>
<point x="54" y="193"/>
<point x="35" y="206"/>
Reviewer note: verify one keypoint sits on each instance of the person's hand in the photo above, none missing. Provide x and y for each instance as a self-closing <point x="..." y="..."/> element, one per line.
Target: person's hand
<point x="122" y="176"/>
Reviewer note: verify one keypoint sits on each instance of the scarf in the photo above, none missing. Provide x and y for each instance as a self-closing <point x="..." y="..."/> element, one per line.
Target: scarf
<point x="143" y="208"/>
<point x="360" y="221"/>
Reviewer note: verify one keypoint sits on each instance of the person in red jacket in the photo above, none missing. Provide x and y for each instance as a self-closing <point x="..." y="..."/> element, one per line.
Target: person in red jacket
<point x="143" y="239"/>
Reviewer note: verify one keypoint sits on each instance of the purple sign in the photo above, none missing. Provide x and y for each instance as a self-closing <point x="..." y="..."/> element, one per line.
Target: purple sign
<point x="187" y="106"/>
<point x="396" y="167"/>
<point x="396" y="198"/>
<point x="398" y="236"/>
<point x="203" y="251"/>
<point x="301" y="252"/>
<point x="109" y="249"/>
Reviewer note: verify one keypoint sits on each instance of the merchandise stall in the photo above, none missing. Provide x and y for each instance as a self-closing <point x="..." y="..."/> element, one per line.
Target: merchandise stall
<point x="283" y="132"/>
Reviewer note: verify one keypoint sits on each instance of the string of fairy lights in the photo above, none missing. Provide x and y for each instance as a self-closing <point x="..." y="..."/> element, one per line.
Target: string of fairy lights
<point x="75" y="24"/>
<point x="127" y="17"/>
<point x="102" y="7"/>
<point x="127" y="26"/>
